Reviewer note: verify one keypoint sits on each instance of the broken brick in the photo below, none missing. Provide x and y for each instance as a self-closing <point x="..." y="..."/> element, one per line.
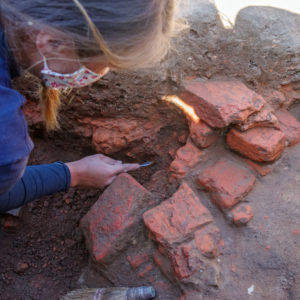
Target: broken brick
<point x="241" y="214"/>
<point x="227" y="182"/>
<point x="177" y="218"/>
<point x="263" y="118"/>
<point x="290" y="126"/>
<point x="260" y="169"/>
<point x="186" y="158"/>
<point x="186" y="259"/>
<point x="207" y="240"/>
<point x="259" y="144"/>
<point x="220" y="103"/>
<point x="202" y="135"/>
<point x="112" y="220"/>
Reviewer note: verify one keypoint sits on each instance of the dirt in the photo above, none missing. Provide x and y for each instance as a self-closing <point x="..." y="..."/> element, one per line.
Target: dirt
<point x="48" y="239"/>
<point x="45" y="257"/>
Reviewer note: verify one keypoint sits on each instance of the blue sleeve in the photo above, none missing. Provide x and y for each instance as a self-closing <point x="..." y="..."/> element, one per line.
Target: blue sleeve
<point x="36" y="182"/>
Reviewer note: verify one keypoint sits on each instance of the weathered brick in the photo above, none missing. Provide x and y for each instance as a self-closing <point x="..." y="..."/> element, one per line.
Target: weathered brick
<point x="177" y="218"/>
<point x="202" y="135"/>
<point x="260" y="169"/>
<point x="241" y="215"/>
<point x="263" y="118"/>
<point x="227" y="182"/>
<point x="290" y="126"/>
<point x="207" y="240"/>
<point x="186" y="158"/>
<point x="258" y="144"/>
<point x="186" y="259"/>
<point x="112" y="221"/>
<point x="220" y="103"/>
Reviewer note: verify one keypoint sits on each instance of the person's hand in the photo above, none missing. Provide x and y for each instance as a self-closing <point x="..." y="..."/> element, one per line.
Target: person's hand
<point x="97" y="171"/>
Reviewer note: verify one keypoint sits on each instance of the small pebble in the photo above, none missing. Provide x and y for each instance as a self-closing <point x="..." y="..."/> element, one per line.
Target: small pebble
<point x="20" y="268"/>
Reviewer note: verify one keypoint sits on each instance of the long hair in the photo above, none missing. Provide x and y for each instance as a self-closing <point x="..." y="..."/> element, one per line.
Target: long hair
<point x="131" y="34"/>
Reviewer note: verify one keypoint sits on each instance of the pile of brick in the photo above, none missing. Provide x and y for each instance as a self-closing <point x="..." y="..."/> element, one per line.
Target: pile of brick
<point x="254" y="130"/>
<point x="179" y="236"/>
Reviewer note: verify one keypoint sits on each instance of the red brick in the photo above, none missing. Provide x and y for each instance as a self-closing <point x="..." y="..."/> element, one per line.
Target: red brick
<point x="186" y="158"/>
<point x="258" y="144"/>
<point x="186" y="259"/>
<point x="289" y="126"/>
<point x="207" y="240"/>
<point x="202" y="135"/>
<point x="177" y="218"/>
<point x="189" y="258"/>
<point x="227" y="182"/>
<point x="263" y="118"/>
<point x="241" y="215"/>
<point x="261" y="170"/>
<point x="220" y="103"/>
<point x="112" y="221"/>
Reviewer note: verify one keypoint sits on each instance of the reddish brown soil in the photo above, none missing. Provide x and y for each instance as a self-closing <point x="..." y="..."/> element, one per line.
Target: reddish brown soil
<point x="48" y="238"/>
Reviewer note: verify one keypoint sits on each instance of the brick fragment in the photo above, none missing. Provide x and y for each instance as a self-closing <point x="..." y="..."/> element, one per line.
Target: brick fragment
<point x="241" y="215"/>
<point x="260" y="169"/>
<point x="186" y="158"/>
<point x="227" y="182"/>
<point x="21" y="268"/>
<point x="220" y="103"/>
<point x="202" y="135"/>
<point x="112" y="221"/>
<point x="258" y="144"/>
<point x="207" y="240"/>
<point x="263" y="118"/>
<point x="177" y="218"/>
<point x="290" y="126"/>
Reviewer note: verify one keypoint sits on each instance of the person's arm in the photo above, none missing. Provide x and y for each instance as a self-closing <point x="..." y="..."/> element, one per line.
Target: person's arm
<point x="96" y="171"/>
<point x="36" y="182"/>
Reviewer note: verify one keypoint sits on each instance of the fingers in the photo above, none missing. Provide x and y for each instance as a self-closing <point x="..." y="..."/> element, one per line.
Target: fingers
<point x="108" y="160"/>
<point x="111" y="180"/>
<point x="125" y="168"/>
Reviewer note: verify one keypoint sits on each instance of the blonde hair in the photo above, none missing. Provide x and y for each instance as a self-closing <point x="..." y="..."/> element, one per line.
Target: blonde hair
<point x="132" y="34"/>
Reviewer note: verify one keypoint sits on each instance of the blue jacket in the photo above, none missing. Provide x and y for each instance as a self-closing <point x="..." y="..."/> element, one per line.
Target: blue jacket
<point x="18" y="184"/>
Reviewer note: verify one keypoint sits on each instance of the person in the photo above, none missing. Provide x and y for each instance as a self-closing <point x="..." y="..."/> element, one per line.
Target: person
<point x="68" y="44"/>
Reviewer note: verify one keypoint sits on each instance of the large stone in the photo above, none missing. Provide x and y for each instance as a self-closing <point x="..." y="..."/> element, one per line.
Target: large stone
<point x="177" y="218"/>
<point x="227" y="182"/>
<point x="114" y="219"/>
<point x="220" y="103"/>
<point x="289" y="126"/>
<point x="258" y="144"/>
